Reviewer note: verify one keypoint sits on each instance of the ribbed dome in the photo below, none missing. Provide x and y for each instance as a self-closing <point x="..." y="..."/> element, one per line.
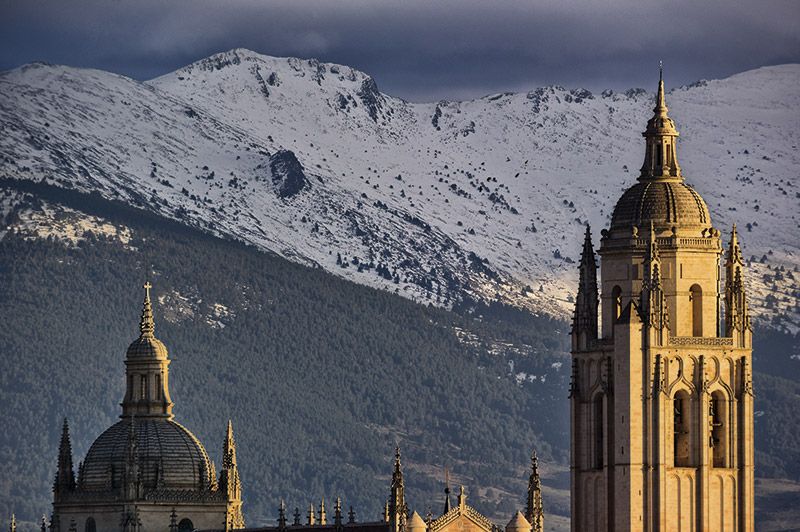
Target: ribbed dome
<point x="147" y="347"/>
<point x="666" y="203"/>
<point x="169" y="457"/>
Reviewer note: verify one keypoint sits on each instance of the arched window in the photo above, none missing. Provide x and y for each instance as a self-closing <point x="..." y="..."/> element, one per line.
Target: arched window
<point x="185" y="525"/>
<point x="616" y="304"/>
<point x="91" y="526"/>
<point x="597" y="421"/>
<point x="682" y="423"/>
<point x="143" y="387"/>
<point x="718" y="439"/>
<point x="696" y="299"/>
<point x="158" y="386"/>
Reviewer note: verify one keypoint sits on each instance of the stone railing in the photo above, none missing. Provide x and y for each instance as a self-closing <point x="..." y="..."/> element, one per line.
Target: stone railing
<point x="700" y="341"/>
<point x="664" y="243"/>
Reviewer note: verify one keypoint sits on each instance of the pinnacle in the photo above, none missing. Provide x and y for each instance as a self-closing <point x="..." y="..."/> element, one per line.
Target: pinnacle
<point x="147" y="324"/>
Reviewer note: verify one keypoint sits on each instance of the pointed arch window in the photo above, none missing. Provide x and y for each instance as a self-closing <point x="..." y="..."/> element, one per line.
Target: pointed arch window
<point x="90" y="526"/>
<point x="718" y="438"/>
<point x="696" y="300"/>
<point x="597" y="421"/>
<point x="681" y="427"/>
<point x="616" y="304"/>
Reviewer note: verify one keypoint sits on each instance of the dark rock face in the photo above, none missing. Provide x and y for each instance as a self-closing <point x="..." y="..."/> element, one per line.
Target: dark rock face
<point x="371" y="97"/>
<point x="288" y="176"/>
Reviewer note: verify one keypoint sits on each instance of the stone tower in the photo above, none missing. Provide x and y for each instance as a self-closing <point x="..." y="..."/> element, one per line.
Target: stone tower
<point x="661" y="399"/>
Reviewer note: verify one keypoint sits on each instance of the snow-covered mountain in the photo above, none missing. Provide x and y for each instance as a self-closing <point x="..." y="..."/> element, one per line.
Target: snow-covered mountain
<point x="484" y="198"/>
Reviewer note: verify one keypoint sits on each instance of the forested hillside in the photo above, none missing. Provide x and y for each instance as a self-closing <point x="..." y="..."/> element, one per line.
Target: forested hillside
<point x="320" y="376"/>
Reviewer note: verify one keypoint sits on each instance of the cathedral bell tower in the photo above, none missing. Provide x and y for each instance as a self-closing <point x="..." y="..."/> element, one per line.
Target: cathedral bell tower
<point x="661" y="399"/>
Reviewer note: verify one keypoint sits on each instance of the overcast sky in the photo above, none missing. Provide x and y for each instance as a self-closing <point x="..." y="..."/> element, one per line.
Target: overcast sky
<point x="418" y="49"/>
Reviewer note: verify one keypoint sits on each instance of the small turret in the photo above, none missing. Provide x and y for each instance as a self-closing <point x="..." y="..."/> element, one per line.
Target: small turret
<point x="518" y="523"/>
<point x="173" y="521"/>
<point x="584" y="320"/>
<point x="534" y="510"/>
<point x="416" y="524"/>
<point x="65" y="476"/>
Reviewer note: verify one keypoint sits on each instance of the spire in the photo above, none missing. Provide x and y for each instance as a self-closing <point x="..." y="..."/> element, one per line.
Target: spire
<point x="43" y="524"/>
<point x="65" y="476"/>
<point x="337" y="512"/>
<point x="282" y="515"/>
<point x="446" y="491"/>
<point x="296" y="516"/>
<point x="397" y="500"/>
<point x="584" y="319"/>
<point x="534" y="511"/>
<point x="147" y="324"/>
<point x="312" y="516"/>
<point x="737" y="313"/>
<point x="12" y="526"/>
<point x="229" y="481"/>
<point x="323" y="517"/>
<point x="351" y="516"/>
<point x="660" y="161"/>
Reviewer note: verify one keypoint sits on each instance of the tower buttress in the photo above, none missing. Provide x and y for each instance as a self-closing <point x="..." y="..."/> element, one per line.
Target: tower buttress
<point x="229" y="481"/>
<point x="653" y="302"/>
<point x="65" y="476"/>
<point x="584" y="320"/>
<point x="737" y="313"/>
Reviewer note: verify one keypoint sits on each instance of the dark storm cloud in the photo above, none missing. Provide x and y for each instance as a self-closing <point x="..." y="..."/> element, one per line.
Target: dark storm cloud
<point x="414" y="48"/>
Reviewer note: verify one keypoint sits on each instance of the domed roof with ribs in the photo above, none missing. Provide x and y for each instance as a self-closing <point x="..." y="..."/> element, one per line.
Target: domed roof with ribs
<point x="168" y="456"/>
<point x="666" y="203"/>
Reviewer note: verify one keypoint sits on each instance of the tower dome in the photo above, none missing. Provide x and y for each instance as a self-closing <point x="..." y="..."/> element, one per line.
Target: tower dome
<point x="661" y="196"/>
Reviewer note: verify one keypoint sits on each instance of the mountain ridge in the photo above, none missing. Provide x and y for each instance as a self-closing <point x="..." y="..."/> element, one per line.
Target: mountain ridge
<point x="443" y="202"/>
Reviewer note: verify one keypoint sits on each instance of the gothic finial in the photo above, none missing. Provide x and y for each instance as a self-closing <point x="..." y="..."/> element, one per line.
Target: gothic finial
<point x="584" y="320"/>
<point x="323" y="517"/>
<point x="351" y="515"/>
<point x="12" y="527"/>
<point x="296" y="516"/>
<point x="462" y="498"/>
<point x="43" y="524"/>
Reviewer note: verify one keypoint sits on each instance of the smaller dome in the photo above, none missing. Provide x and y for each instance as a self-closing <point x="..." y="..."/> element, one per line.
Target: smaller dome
<point x="666" y="203"/>
<point x="147" y="347"/>
<point x="518" y="523"/>
<point x="416" y="524"/>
